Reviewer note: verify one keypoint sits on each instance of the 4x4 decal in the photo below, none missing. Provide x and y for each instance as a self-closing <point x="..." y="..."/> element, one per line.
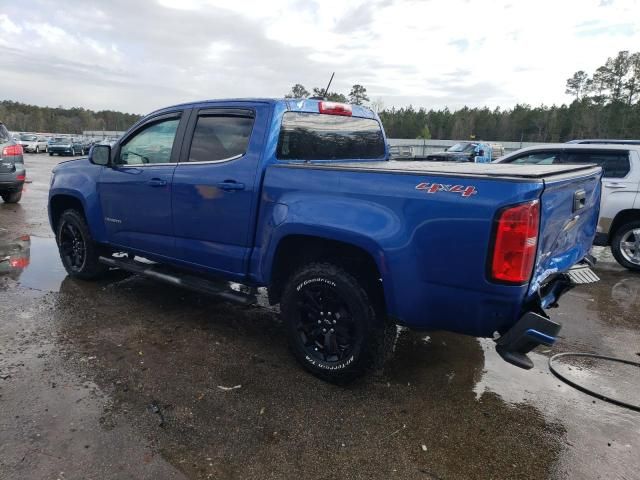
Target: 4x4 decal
<point x="465" y="191"/>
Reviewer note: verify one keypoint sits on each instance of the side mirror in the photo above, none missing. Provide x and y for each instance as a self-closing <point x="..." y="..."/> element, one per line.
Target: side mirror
<point x="100" y="155"/>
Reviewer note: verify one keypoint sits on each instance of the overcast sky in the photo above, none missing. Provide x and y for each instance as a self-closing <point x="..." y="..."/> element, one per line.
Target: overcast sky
<point x="138" y="55"/>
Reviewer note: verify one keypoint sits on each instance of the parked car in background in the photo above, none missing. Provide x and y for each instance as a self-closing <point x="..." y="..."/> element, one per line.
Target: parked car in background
<point x="606" y="141"/>
<point x="12" y="171"/>
<point x="479" y="152"/>
<point x="65" y="146"/>
<point x="300" y="197"/>
<point x="32" y="143"/>
<point x="619" y="223"/>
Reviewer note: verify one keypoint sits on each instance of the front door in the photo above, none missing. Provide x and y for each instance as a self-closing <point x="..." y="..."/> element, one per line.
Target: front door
<point x="135" y="193"/>
<point x="216" y="188"/>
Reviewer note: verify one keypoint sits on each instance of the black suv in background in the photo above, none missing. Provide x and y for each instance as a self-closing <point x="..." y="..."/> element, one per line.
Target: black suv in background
<point x="12" y="172"/>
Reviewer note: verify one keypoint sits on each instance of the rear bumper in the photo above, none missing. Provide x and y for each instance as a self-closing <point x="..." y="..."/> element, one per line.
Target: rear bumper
<point x="13" y="186"/>
<point x="530" y="331"/>
<point x="535" y="327"/>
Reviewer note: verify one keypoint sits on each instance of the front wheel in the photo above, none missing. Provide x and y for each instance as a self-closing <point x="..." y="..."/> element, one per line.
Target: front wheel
<point x="78" y="251"/>
<point x="625" y="245"/>
<point x="332" y="327"/>
<point x="37" y="149"/>
<point x="11" y="197"/>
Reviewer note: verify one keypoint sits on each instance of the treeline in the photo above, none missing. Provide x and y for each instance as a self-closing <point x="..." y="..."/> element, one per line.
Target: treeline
<point x="581" y="119"/>
<point x="20" y="117"/>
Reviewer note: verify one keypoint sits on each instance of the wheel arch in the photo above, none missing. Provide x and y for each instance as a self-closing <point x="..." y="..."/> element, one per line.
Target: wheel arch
<point x="623" y="217"/>
<point x="295" y="249"/>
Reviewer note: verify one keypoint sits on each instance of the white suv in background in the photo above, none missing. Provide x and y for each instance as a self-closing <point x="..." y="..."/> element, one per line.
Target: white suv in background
<point x="619" y="223"/>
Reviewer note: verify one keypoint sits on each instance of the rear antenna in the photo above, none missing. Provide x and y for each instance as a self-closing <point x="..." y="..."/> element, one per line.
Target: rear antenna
<point x="326" y="90"/>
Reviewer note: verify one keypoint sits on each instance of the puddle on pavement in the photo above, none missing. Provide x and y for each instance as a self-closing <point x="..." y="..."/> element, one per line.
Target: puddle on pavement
<point x="33" y="262"/>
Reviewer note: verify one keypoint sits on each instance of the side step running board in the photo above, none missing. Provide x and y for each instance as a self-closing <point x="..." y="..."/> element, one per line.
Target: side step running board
<point x="184" y="280"/>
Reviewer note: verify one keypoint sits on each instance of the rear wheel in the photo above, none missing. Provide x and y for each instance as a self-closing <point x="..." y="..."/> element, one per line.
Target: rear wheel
<point x="11" y="197"/>
<point x="625" y="245"/>
<point x="37" y="149"/>
<point x="332" y="327"/>
<point x="78" y="251"/>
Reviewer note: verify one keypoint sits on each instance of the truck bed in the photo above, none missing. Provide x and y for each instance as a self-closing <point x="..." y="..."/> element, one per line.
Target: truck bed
<point x="504" y="171"/>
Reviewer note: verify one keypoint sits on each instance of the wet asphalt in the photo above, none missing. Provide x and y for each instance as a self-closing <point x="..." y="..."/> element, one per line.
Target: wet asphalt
<point x="127" y="378"/>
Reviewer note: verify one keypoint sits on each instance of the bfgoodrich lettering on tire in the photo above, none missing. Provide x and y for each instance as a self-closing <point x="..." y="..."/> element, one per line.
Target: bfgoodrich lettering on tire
<point x="331" y="325"/>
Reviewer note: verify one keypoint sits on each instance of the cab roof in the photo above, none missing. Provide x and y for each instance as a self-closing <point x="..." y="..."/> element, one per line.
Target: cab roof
<point x="289" y="104"/>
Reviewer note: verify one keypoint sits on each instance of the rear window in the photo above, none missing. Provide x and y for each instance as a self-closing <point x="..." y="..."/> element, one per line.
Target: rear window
<point x="312" y="136"/>
<point x="614" y="164"/>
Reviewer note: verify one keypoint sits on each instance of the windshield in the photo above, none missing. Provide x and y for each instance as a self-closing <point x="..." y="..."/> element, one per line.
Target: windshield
<point x="28" y="138"/>
<point x="59" y="140"/>
<point x="463" y="147"/>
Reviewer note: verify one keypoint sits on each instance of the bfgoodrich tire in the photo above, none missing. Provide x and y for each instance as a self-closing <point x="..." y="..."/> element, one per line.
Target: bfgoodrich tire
<point x="78" y="251"/>
<point x="332" y="327"/>
<point x="625" y="245"/>
<point x="12" y="197"/>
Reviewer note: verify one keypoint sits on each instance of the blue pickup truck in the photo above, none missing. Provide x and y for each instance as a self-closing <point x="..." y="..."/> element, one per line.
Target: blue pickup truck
<point x="299" y="196"/>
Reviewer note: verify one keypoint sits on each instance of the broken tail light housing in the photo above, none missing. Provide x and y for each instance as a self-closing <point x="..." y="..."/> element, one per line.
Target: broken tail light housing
<point x="335" y="108"/>
<point x="515" y="243"/>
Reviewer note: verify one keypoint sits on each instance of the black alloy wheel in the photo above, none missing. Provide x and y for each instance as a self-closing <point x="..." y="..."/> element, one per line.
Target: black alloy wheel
<point x="325" y="325"/>
<point x="72" y="246"/>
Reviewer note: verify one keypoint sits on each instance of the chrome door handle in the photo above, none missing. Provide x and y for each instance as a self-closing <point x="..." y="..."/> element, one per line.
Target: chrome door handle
<point x="614" y="185"/>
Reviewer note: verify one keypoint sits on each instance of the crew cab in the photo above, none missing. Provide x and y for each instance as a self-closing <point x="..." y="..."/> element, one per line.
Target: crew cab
<point x="299" y="196"/>
<point x="619" y="223"/>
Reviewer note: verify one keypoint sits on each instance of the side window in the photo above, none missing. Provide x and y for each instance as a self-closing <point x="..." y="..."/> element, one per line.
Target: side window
<point x="153" y="144"/>
<point x="218" y="137"/>
<point x="614" y="164"/>
<point x="539" y="158"/>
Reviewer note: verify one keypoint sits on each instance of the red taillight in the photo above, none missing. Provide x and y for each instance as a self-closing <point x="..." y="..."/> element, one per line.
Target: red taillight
<point x="12" y="150"/>
<point x="515" y="245"/>
<point x="334" y="108"/>
<point x="21" y="177"/>
<point x="21" y="262"/>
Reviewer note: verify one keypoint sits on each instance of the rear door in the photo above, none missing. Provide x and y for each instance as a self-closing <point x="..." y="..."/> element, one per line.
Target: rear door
<point x="135" y="194"/>
<point x="620" y="181"/>
<point x="216" y="187"/>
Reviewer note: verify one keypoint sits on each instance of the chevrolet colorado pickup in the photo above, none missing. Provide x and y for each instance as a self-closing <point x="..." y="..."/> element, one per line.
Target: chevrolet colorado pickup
<point x="299" y="196"/>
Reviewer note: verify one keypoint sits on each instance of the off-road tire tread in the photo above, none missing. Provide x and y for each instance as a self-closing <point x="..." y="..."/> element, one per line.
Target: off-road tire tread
<point x="381" y="334"/>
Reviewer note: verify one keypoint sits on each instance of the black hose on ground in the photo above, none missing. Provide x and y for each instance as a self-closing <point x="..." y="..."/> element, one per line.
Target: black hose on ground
<point x="585" y="389"/>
